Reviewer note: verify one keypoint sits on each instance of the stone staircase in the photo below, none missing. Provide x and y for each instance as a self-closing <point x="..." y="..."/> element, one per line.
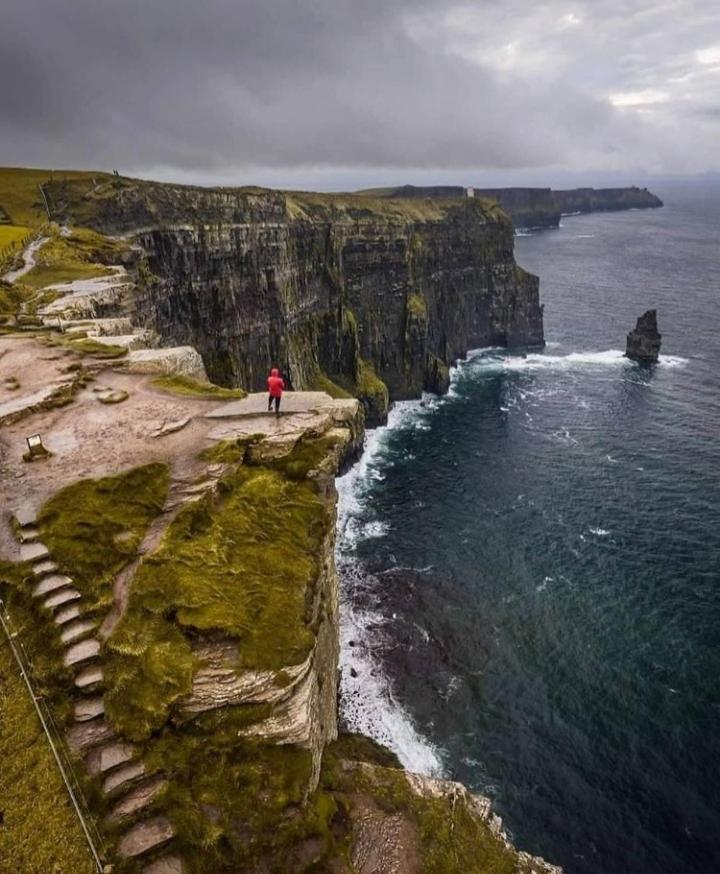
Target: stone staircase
<point x="113" y="762"/>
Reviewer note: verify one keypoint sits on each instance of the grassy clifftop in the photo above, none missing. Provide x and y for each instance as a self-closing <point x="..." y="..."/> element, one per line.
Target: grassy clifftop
<point x="96" y="199"/>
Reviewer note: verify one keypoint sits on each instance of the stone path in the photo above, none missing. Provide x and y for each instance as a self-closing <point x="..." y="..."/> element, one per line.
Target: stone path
<point x="29" y="259"/>
<point x="92" y="737"/>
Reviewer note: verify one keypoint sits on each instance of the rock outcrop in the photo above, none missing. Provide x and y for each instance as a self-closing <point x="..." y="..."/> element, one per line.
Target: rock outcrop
<point x="643" y="343"/>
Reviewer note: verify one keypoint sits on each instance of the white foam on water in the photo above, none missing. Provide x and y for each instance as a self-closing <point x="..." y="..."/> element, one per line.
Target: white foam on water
<point x="368" y="705"/>
<point x="542" y="361"/>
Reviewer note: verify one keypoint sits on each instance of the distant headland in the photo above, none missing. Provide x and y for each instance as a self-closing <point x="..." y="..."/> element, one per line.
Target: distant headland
<point x="537" y="207"/>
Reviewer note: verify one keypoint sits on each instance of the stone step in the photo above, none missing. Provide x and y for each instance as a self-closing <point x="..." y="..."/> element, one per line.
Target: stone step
<point x="62" y="596"/>
<point x="103" y="759"/>
<point x="25" y="516"/>
<point x="67" y="614"/>
<point x="46" y="566"/>
<point x="28" y="535"/>
<point x="33" y="551"/>
<point x="77" y="629"/>
<point x="84" y="735"/>
<point x="81" y="652"/>
<point x="89" y="676"/>
<point x="50" y="583"/>
<point x="165" y="865"/>
<point x="88" y="708"/>
<point x="145" y="836"/>
<point x="137" y="798"/>
<point x="122" y="776"/>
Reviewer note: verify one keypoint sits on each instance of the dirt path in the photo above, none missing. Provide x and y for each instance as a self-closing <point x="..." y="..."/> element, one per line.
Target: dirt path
<point x="29" y="258"/>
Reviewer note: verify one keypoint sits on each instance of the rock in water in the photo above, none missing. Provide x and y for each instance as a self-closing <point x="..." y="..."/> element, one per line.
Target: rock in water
<point x="643" y="344"/>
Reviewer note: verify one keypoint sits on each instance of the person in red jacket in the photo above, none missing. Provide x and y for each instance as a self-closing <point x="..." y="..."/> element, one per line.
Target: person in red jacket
<point x="275" y="385"/>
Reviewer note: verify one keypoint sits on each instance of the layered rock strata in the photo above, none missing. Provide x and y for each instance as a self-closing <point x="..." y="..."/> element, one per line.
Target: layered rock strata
<point x="373" y="294"/>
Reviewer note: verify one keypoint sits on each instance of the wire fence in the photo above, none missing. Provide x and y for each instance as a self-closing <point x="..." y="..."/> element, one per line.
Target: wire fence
<point x="57" y="744"/>
<point x="9" y="252"/>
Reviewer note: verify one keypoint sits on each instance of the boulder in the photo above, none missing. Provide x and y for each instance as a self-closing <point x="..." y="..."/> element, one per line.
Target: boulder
<point x="176" y="360"/>
<point x="643" y="344"/>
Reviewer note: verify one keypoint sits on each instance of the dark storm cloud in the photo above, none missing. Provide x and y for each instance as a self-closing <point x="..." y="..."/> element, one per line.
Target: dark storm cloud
<point x="267" y="89"/>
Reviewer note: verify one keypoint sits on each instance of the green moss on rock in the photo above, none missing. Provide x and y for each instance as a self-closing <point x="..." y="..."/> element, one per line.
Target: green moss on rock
<point x="373" y="393"/>
<point x="187" y="386"/>
<point x="321" y="382"/>
<point x="242" y="562"/>
<point x="416" y="306"/>
<point x="94" y="527"/>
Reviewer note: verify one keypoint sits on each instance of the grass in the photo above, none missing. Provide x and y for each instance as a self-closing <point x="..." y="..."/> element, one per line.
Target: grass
<point x="11" y="299"/>
<point x="40" y="830"/>
<point x="11" y="234"/>
<point x="372" y="391"/>
<point x="242" y="562"/>
<point x="311" y="205"/>
<point x="81" y="255"/>
<point x="94" y="527"/>
<point x="20" y="195"/>
<point x="187" y="386"/>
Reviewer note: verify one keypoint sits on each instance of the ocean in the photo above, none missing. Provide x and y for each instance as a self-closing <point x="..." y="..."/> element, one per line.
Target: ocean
<point x="530" y="565"/>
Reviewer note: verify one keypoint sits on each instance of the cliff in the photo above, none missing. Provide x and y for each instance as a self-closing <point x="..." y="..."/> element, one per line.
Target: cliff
<point x="377" y="296"/>
<point x="175" y="591"/>
<point x="605" y="199"/>
<point x="540" y="207"/>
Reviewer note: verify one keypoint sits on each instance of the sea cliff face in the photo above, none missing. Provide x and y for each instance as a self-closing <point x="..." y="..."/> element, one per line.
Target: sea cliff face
<point x="379" y="296"/>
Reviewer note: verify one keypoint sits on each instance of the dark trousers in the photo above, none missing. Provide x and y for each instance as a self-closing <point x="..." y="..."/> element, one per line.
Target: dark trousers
<point x="277" y="404"/>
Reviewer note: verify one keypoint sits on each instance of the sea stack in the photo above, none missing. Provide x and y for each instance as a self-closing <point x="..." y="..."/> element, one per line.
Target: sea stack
<point x="643" y="344"/>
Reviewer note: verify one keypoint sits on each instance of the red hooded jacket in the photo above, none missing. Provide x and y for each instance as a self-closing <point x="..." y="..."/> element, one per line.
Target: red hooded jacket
<point x="275" y="383"/>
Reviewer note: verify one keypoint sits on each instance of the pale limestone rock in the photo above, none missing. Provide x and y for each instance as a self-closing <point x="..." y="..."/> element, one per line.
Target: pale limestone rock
<point x="84" y="735"/>
<point x="105" y="758"/>
<point x="67" y="614"/>
<point x="81" y="652"/>
<point x="75" y="630"/>
<point x="50" y="583"/>
<point x="57" y="599"/>
<point x="120" y="776"/>
<point x="137" y="799"/>
<point x="88" y="708"/>
<point x="89" y="676"/>
<point x="33" y="551"/>
<point x="165" y="865"/>
<point x="145" y="836"/>
<point x="176" y="360"/>
<point x="141" y="339"/>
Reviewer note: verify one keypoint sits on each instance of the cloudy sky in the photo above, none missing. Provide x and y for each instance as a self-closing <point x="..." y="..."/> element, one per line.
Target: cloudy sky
<point x="347" y="93"/>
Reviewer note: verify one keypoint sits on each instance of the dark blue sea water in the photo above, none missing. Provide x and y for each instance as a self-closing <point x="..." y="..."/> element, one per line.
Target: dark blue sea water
<point x="531" y="565"/>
